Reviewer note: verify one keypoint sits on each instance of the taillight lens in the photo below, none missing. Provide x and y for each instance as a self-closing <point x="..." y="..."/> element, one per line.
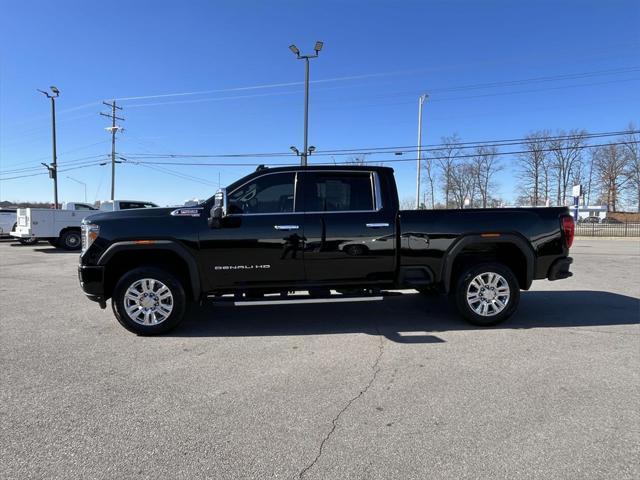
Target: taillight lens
<point x="569" y="229"/>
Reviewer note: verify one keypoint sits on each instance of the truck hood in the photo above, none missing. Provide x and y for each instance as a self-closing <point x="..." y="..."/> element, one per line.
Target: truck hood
<point x="134" y="213"/>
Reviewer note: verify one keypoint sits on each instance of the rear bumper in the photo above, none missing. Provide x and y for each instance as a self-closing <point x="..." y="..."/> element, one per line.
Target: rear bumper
<point x="560" y="269"/>
<point x="92" y="282"/>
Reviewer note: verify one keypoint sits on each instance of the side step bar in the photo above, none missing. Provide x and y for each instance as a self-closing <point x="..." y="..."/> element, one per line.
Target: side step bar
<point x="248" y="303"/>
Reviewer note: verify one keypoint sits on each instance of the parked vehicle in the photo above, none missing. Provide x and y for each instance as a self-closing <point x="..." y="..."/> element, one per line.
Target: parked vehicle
<point x="611" y="220"/>
<point x="61" y="227"/>
<point x="316" y="229"/>
<point x="8" y="221"/>
<point x="113" y="205"/>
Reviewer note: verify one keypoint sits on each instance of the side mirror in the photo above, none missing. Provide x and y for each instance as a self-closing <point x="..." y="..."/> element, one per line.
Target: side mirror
<point x="219" y="209"/>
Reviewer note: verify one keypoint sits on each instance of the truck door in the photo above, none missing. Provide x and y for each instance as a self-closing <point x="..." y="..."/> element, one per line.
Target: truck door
<point x="350" y="236"/>
<point x="259" y="242"/>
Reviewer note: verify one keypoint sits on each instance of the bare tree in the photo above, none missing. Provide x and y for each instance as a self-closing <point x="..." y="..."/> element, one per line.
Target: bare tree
<point x="533" y="168"/>
<point x="446" y="158"/>
<point x="429" y="178"/>
<point x="485" y="165"/>
<point x="567" y="152"/>
<point x="357" y="160"/>
<point x="463" y="183"/>
<point x="632" y="160"/>
<point x="407" y="203"/>
<point x="610" y="165"/>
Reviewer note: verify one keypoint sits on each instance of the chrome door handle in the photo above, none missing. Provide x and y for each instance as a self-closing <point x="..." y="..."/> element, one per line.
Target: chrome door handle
<point x="377" y="225"/>
<point x="286" y="227"/>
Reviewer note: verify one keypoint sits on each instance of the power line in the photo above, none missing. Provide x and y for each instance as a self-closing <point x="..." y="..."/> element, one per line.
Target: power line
<point x="508" y="83"/>
<point x="92" y="164"/>
<point x="390" y="149"/>
<point x="62" y="153"/>
<point x="67" y="163"/>
<point x="386" y="160"/>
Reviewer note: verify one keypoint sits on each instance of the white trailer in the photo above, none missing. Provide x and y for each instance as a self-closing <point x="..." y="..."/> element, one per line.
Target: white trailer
<point x="60" y="227"/>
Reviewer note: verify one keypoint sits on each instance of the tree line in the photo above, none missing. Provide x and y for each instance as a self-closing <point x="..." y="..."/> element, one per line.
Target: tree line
<point x="545" y="167"/>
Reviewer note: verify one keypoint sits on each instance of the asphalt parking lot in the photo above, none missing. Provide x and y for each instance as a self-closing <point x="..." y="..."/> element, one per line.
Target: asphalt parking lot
<point x="401" y="389"/>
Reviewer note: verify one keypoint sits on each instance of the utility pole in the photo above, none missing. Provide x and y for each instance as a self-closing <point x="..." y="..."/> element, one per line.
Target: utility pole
<point x="318" y="46"/>
<point x="114" y="129"/>
<point x="421" y="101"/>
<point x="53" y="168"/>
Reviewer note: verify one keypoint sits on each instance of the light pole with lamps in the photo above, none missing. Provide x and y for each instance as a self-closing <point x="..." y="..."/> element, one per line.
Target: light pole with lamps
<point x="421" y="101"/>
<point x="53" y="168"/>
<point x="318" y="46"/>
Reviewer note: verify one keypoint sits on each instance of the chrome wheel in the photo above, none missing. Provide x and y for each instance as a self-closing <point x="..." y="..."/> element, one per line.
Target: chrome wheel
<point x="148" y="301"/>
<point x="488" y="294"/>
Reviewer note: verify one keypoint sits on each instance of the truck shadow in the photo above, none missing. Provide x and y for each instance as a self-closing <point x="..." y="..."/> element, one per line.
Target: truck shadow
<point x="409" y="318"/>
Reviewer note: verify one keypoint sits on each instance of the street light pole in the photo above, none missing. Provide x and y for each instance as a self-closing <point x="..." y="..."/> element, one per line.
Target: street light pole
<point x="53" y="168"/>
<point x="81" y="183"/>
<point x="421" y="101"/>
<point x="318" y="46"/>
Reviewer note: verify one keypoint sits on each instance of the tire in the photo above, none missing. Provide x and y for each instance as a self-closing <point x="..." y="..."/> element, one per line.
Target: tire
<point x="70" y="240"/>
<point x="501" y="289"/>
<point x="141" y="321"/>
<point x="28" y="241"/>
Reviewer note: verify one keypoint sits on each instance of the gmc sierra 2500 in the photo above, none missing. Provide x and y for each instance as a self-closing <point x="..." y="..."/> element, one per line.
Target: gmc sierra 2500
<point x="316" y="229"/>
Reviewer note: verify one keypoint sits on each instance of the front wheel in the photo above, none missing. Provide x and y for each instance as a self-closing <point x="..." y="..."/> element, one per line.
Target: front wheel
<point x="148" y="301"/>
<point x="487" y="294"/>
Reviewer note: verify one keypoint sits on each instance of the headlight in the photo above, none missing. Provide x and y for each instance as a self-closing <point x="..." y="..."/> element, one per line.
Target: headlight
<point x="90" y="232"/>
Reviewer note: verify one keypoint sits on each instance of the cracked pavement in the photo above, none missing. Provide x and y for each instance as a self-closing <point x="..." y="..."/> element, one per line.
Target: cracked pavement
<point x="393" y="389"/>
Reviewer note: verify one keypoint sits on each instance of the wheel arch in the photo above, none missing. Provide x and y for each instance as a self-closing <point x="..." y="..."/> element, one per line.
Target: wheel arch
<point x="509" y="249"/>
<point x="123" y="256"/>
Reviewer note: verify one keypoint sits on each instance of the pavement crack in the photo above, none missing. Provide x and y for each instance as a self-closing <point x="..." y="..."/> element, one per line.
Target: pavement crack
<point x="334" y="422"/>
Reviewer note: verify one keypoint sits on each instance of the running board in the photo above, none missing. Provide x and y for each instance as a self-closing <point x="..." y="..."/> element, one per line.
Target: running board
<point x="292" y="300"/>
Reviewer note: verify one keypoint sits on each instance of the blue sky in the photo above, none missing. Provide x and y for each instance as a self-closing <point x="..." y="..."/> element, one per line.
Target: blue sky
<point x="379" y="56"/>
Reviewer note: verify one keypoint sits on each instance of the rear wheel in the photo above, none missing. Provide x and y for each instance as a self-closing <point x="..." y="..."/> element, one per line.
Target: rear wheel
<point x="70" y="240"/>
<point x="149" y="301"/>
<point x="487" y="294"/>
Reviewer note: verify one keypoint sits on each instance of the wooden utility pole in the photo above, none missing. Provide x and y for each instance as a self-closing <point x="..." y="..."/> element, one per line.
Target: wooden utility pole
<point x="114" y="129"/>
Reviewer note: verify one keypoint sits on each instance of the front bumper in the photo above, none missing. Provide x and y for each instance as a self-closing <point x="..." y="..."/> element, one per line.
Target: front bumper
<point x="25" y="233"/>
<point x="92" y="282"/>
<point x="560" y="269"/>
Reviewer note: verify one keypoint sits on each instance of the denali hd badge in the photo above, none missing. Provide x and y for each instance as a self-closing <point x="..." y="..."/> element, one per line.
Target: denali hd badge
<point x="241" y="267"/>
<point x="186" y="212"/>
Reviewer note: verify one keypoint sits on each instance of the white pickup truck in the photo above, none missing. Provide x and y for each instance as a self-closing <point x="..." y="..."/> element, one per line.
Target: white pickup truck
<point x="62" y="227"/>
<point x="113" y="205"/>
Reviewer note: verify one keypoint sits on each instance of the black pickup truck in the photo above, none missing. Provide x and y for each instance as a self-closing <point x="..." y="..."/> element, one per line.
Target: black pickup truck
<point x="321" y="233"/>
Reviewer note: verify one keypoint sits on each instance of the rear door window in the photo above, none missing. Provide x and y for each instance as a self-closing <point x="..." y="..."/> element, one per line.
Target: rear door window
<point x="338" y="192"/>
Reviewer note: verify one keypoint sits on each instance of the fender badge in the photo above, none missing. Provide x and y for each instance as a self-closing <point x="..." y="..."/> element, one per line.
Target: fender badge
<point x="186" y="212"/>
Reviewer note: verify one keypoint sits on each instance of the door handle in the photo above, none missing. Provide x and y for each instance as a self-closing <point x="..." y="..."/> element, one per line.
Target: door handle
<point x="286" y="227"/>
<point x="377" y="225"/>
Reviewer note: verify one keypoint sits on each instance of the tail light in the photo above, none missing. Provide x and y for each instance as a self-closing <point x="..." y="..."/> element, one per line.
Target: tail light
<point x="569" y="230"/>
